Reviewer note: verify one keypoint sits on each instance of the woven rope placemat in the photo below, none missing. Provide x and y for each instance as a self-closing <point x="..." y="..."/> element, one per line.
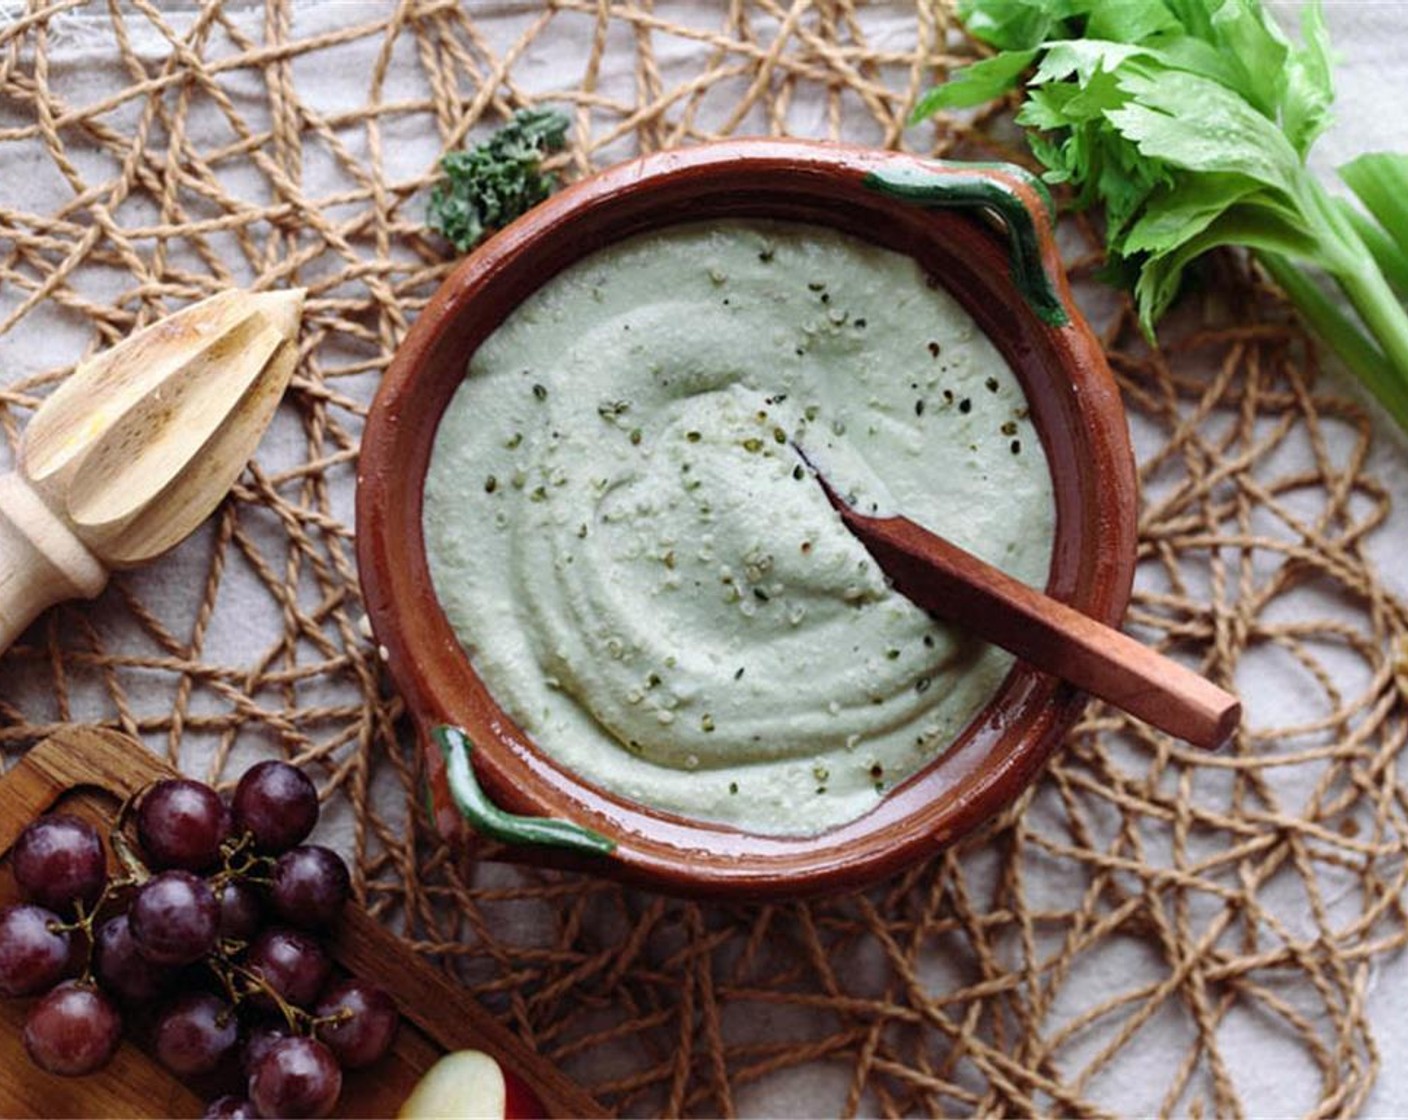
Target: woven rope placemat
<point x="1113" y="944"/>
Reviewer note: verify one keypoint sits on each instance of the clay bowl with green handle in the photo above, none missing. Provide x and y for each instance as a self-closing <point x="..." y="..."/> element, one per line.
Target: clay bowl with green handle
<point x="984" y="231"/>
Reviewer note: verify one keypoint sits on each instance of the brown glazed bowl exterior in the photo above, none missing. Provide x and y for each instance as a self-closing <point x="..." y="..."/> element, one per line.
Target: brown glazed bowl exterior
<point x="1074" y="403"/>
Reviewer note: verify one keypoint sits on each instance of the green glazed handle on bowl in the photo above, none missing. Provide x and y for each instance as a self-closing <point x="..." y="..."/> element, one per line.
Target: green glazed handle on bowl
<point x="1017" y="197"/>
<point x="489" y="820"/>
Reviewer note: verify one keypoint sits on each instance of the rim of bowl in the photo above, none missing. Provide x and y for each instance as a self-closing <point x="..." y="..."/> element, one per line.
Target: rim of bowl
<point x="1079" y="415"/>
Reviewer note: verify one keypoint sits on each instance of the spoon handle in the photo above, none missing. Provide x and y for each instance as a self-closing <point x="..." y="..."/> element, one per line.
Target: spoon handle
<point x="989" y="604"/>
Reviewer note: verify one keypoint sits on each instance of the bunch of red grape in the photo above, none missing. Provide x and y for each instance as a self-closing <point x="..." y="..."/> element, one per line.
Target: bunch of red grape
<point x="214" y="924"/>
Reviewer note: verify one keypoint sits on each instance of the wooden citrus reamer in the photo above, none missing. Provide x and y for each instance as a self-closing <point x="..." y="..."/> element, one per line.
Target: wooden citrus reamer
<point x="136" y="449"/>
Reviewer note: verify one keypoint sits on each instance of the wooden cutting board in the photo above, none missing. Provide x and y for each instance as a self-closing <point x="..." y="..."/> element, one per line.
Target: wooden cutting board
<point x="89" y="772"/>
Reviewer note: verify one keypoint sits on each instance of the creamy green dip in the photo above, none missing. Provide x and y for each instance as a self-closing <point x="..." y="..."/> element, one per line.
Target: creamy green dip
<point x="648" y="580"/>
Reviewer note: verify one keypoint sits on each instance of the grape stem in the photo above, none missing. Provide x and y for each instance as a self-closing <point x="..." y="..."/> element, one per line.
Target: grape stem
<point x="233" y="848"/>
<point x="298" y="1020"/>
<point x="292" y="1015"/>
<point x="83" y="923"/>
<point x="219" y="966"/>
<point x="341" y="1015"/>
<point x="137" y="871"/>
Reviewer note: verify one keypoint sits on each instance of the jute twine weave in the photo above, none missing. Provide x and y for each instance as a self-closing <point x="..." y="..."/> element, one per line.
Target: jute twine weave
<point x="1114" y="943"/>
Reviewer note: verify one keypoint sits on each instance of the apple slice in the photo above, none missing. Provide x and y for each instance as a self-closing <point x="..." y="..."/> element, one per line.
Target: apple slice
<point x="470" y="1085"/>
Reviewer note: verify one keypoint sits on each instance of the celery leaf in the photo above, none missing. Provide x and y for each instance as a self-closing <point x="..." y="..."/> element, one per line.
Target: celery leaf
<point x="1188" y="122"/>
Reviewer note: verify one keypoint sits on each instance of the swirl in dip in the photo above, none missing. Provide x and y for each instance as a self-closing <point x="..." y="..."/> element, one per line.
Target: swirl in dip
<point x="644" y="574"/>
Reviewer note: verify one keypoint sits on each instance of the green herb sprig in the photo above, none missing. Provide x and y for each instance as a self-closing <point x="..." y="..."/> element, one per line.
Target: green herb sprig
<point x="1190" y="121"/>
<point x="494" y="182"/>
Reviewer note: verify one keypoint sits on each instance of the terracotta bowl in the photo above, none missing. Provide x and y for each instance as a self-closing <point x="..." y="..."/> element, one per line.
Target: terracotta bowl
<point x="1006" y="273"/>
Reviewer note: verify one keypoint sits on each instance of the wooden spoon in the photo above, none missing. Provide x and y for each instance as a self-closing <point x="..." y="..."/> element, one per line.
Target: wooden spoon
<point x="985" y="601"/>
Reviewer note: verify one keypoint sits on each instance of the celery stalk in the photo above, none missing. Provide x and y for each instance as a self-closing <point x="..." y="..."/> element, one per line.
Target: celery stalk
<point x="1391" y="259"/>
<point x="1380" y="180"/>
<point x="1361" y="357"/>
